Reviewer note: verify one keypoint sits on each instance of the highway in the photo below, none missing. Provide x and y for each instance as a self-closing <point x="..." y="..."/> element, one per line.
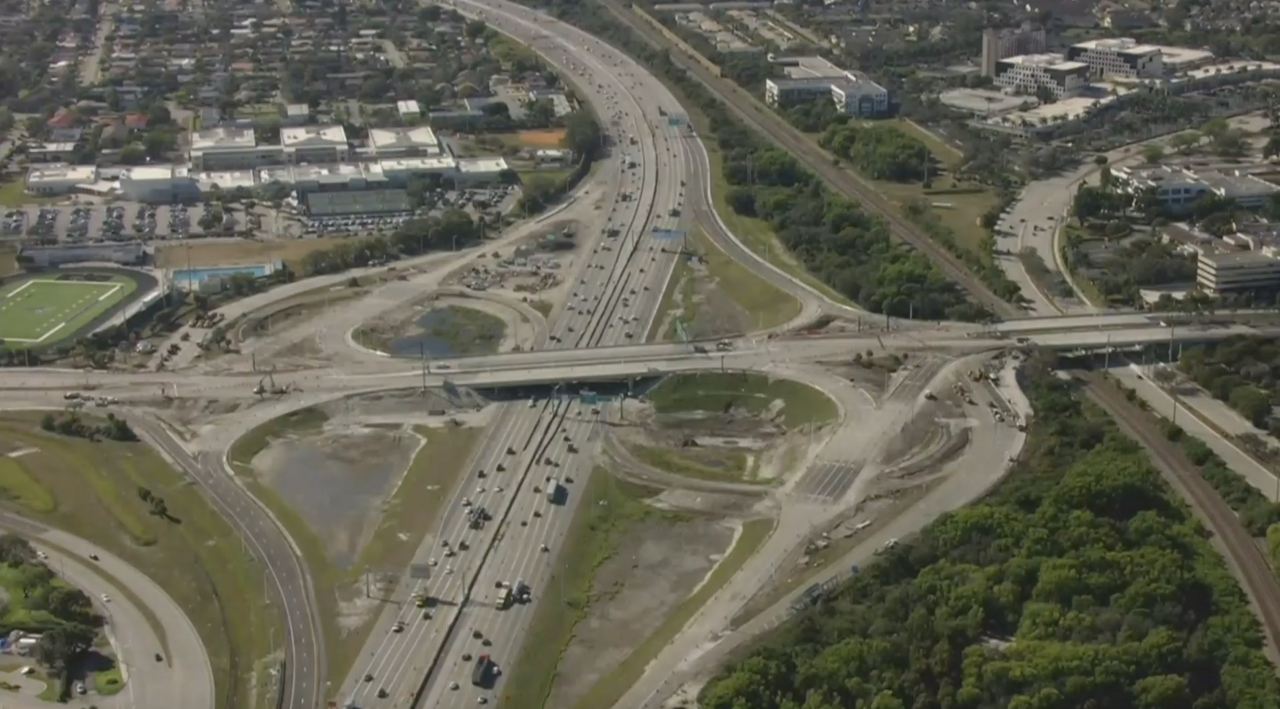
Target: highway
<point x="288" y="580"/>
<point x="613" y="299"/>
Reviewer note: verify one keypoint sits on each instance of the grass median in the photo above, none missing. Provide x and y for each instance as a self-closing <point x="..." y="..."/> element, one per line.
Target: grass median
<point x="407" y="516"/>
<point x="197" y="558"/>
<point x="613" y="686"/>
<point x="607" y="507"/>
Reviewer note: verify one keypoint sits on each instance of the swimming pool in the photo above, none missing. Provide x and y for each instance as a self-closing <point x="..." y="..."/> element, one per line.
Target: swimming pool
<point x="189" y="276"/>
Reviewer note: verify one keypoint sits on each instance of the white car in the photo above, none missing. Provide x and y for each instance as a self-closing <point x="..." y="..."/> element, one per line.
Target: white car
<point x="466" y="502"/>
<point x="106" y="598"/>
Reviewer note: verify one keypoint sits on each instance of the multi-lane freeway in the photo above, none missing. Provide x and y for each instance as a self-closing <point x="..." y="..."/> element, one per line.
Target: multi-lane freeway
<point x="613" y="299"/>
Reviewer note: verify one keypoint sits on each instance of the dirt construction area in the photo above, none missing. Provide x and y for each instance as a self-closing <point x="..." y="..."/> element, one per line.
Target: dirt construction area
<point x="548" y="138"/>
<point x="657" y="565"/>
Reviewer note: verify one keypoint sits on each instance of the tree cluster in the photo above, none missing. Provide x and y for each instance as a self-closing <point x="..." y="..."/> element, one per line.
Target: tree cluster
<point x="1080" y="581"/>
<point x="419" y="236"/>
<point x="72" y="618"/>
<point x="881" y="152"/>
<point x="114" y="428"/>
<point x="1242" y="371"/>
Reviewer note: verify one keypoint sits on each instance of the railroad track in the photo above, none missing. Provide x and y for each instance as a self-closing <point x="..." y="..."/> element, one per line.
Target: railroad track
<point x="768" y="123"/>
<point x="1259" y="580"/>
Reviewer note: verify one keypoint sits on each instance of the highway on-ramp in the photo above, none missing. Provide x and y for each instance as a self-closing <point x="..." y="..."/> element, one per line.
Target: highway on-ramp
<point x="182" y="677"/>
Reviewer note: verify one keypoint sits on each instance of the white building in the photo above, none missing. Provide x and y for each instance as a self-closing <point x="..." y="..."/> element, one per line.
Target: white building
<point x="1005" y="42"/>
<point x="1235" y="272"/>
<point x="852" y="92"/>
<point x="49" y="180"/>
<point x="552" y="156"/>
<point x="1027" y="73"/>
<point x="159" y="184"/>
<point x="480" y="169"/>
<point x="1123" y="57"/>
<point x="419" y="141"/>
<point x="314" y="144"/>
<point x="1178" y="188"/>
<point x="225" y="180"/>
<point x="408" y="109"/>
<point x="230" y="148"/>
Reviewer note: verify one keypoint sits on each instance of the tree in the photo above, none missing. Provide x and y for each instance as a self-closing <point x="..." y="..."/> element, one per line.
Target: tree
<point x="1152" y="153"/>
<point x="15" y="551"/>
<point x="59" y="645"/>
<point x="1100" y="160"/>
<point x="1184" y="141"/>
<point x="144" y="494"/>
<point x="581" y="134"/>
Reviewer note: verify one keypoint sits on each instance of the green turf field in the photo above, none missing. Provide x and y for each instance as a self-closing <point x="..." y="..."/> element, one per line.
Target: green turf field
<point x="37" y="312"/>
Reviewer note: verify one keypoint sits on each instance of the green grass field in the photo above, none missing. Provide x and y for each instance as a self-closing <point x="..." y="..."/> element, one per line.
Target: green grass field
<point x="754" y="393"/>
<point x="36" y="312"/>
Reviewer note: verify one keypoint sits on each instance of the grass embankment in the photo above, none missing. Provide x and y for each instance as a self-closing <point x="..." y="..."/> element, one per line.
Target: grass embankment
<point x="704" y="463"/>
<point x="91" y="490"/>
<point x="12" y="194"/>
<point x="612" y="686"/>
<point x="768" y="305"/>
<point x="754" y="393"/>
<point x="407" y="516"/>
<point x="755" y="234"/>
<point x="607" y="507"/>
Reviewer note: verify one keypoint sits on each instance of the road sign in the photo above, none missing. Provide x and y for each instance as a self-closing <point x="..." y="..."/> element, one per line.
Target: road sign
<point x="419" y="571"/>
<point x="674" y="120"/>
<point x="589" y="397"/>
<point x="665" y="234"/>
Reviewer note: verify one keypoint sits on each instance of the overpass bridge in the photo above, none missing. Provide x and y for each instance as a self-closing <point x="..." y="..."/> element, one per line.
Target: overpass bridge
<point x="548" y="367"/>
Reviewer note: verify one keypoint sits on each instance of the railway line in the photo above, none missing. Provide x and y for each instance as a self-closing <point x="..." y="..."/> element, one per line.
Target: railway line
<point x="777" y="129"/>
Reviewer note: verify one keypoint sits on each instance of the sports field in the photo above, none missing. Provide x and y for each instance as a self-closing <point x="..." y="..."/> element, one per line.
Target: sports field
<point x="40" y="311"/>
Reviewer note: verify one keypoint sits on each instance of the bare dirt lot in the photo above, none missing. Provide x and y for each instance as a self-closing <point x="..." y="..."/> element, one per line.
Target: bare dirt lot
<point x="224" y="253"/>
<point x="657" y="565"/>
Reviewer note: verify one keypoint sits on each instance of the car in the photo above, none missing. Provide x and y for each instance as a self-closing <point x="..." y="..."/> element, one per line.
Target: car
<point x="466" y="657"/>
<point x="448" y="571"/>
<point x="544" y="547"/>
<point x="368" y="678"/>
<point x="159" y="657"/>
<point x="448" y="553"/>
<point x="80" y="688"/>
<point x="382" y="693"/>
<point x="106" y="598"/>
<point x="453" y="685"/>
<point x="477" y="634"/>
<point x="398" y="627"/>
<point x="482" y="699"/>
<point x="466" y="502"/>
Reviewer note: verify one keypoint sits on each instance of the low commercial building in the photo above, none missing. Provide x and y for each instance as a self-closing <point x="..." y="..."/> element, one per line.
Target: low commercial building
<point x="52" y="152"/>
<point x="1237" y="272"/>
<point x="314" y="145"/>
<point x="419" y="141"/>
<point x="124" y="253"/>
<point x="1028" y="73"/>
<point x="552" y="156"/>
<point x="49" y="180"/>
<point x="1177" y="188"/>
<point x="408" y="110"/>
<point x="228" y="147"/>
<point x="853" y="93"/>
<point x="480" y="169"/>
<point x="985" y="103"/>
<point x="159" y="184"/>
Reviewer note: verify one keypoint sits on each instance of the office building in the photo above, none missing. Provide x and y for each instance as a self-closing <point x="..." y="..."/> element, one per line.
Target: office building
<point x="1121" y="58"/>
<point x="314" y="144"/>
<point x="1000" y="43"/>
<point x="228" y="147"/>
<point x="1219" y="274"/>
<point x="853" y="93"/>
<point x="1028" y="73"/>
<point x="1177" y="188"/>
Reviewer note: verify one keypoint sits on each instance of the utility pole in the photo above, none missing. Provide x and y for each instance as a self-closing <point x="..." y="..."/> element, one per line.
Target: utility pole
<point x="422" y="358"/>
